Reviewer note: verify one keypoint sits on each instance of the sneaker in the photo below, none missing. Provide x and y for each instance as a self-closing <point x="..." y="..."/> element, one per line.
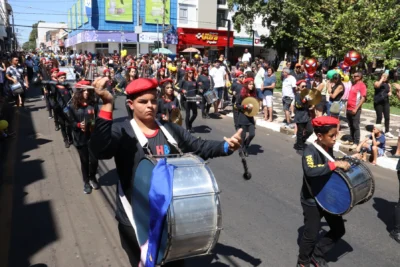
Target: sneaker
<point x="291" y="126"/>
<point x="57" y="128"/>
<point x="294" y="136"/>
<point x="347" y="142"/>
<point x="319" y="261"/>
<point x="50" y="117"/>
<point x="67" y="145"/>
<point x="353" y="147"/>
<point x="303" y="265"/>
<point x="94" y="184"/>
<point x="87" y="189"/>
<point x="389" y="135"/>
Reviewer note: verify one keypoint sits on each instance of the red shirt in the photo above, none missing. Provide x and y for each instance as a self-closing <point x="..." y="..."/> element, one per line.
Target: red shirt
<point x="357" y="91"/>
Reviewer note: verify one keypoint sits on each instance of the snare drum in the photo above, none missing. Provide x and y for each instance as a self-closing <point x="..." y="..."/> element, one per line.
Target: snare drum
<point x="210" y="96"/>
<point x="344" y="190"/>
<point x="194" y="99"/>
<point x="193" y="222"/>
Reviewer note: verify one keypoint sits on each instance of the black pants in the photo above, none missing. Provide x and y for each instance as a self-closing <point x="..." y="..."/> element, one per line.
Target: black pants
<point x="236" y="118"/>
<point x="30" y="73"/>
<point x="130" y="244"/>
<point x="383" y="107"/>
<point x="251" y="129"/>
<point x="89" y="164"/>
<point x="190" y="106"/>
<point x="63" y="122"/>
<point x="205" y="107"/>
<point x="312" y="226"/>
<point x="354" y="125"/>
<point x="49" y="107"/>
<point x="302" y="135"/>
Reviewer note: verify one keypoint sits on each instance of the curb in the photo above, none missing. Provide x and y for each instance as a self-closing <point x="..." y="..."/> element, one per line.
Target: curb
<point x="384" y="162"/>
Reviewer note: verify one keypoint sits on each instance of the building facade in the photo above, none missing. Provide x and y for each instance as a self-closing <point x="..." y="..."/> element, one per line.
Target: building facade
<point x="47" y="35"/>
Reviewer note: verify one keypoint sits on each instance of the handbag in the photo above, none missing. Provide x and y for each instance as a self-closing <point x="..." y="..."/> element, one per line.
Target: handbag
<point x="17" y="88"/>
<point x="380" y="97"/>
<point x="335" y="108"/>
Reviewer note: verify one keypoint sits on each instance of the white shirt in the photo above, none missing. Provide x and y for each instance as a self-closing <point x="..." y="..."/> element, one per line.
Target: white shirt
<point x="218" y="75"/>
<point x="259" y="79"/>
<point x="246" y="57"/>
<point x="287" y="86"/>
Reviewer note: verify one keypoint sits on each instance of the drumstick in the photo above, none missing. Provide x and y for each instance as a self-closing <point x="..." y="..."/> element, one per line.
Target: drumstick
<point x="246" y="174"/>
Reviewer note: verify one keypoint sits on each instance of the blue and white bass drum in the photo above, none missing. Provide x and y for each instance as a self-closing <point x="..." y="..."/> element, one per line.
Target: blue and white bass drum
<point x="193" y="222"/>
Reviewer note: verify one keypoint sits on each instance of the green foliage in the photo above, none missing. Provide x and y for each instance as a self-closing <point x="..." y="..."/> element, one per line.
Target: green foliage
<point x="31" y="44"/>
<point x="324" y="28"/>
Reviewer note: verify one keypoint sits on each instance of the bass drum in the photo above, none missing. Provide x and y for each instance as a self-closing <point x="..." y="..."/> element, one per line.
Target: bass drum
<point x="193" y="222"/>
<point x="344" y="190"/>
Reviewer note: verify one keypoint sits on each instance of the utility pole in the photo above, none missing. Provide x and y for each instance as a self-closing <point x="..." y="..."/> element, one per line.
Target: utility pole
<point x="163" y="25"/>
<point x="137" y="25"/>
<point x="158" y="39"/>
<point x="13" y="44"/>
<point x="253" y="56"/>
<point x="120" y="51"/>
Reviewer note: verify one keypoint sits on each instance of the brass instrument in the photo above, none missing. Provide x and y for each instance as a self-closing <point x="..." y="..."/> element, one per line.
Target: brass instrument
<point x="175" y="116"/>
<point x="313" y="96"/>
<point x="256" y="106"/>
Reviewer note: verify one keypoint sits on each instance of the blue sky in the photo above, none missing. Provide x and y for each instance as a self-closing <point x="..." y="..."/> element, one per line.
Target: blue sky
<point x="28" y="12"/>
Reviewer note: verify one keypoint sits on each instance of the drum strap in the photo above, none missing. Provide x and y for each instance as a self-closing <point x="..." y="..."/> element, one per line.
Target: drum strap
<point x="326" y="154"/>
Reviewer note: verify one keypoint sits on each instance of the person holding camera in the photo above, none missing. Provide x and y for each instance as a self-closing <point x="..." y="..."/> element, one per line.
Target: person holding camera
<point x="383" y="90"/>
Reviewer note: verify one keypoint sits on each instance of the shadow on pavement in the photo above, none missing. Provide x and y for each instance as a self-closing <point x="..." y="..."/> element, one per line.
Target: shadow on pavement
<point x="255" y="149"/>
<point x="385" y="211"/>
<point x="225" y="252"/>
<point x="33" y="225"/>
<point x="202" y="129"/>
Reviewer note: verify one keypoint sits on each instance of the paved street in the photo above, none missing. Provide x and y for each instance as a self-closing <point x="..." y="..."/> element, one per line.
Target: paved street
<point x="50" y="222"/>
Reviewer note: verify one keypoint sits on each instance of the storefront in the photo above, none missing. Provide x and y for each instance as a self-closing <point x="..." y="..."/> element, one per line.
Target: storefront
<point x="147" y="40"/>
<point x="242" y="43"/>
<point x="208" y="42"/>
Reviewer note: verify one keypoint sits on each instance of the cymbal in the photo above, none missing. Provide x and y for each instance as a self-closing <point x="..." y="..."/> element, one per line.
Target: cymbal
<point x="254" y="110"/>
<point x="314" y="96"/>
<point x="176" y="116"/>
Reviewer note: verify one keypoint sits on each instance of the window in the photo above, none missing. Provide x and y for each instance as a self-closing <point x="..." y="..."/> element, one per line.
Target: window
<point x="102" y="45"/>
<point x="220" y="17"/>
<point x="221" y="2"/>
<point x="183" y="15"/>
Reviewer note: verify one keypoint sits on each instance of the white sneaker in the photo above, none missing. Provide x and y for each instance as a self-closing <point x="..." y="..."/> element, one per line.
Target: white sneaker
<point x="389" y="135"/>
<point x="294" y="136"/>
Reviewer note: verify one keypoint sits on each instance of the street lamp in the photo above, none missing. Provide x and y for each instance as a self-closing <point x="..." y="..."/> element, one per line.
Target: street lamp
<point x="229" y="37"/>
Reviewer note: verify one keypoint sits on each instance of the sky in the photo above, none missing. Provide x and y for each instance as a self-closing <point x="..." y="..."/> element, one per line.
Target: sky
<point x="28" y="12"/>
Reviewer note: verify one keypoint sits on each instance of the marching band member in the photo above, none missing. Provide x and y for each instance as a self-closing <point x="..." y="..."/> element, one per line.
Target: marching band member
<point x="317" y="169"/>
<point x="188" y="86"/>
<point x="236" y="88"/>
<point x="182" y="70"/>
<point x="161" y="74"/>
<point x="206" y="83"/>
<point x="167" y="102"/>
<point x="119" y="140"/>
<point x="247" y="124"/>
<point x="302" y="117"/>
<point x="82" y="116"/>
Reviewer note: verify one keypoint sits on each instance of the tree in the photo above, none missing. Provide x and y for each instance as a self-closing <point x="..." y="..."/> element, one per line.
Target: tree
<point x="31" y="43"/>
<point x="324" y="28"/>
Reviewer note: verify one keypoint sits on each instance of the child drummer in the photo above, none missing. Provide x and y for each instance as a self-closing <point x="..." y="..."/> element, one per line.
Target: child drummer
<point x="317" y="170"/>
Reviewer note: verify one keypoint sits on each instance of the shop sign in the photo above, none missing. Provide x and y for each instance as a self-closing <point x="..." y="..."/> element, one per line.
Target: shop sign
<point x="204" y="37"/>
<point x="210" y="38"/>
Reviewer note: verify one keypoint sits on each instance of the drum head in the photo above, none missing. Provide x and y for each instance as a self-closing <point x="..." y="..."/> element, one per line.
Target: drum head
<point x="335" y="196"/>
<point x="140" y="205"/>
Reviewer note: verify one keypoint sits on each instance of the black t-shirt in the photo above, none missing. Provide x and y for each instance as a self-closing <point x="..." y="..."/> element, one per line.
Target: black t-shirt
<point x="339" y="96"/>
<point x="302" y="113"/>
<point x="159" y="145"/>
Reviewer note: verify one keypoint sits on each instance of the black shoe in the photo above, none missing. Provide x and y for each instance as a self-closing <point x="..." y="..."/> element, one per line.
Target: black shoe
<point x="208" y="116"/>
<point x="303" y="265"/>
<point x="70" y="141"/>
<point x="57" y="128"/>
<point x="246" y="154"/>
<point x="87" y="189"/>
<point x="94" y="184"/>
<point x="319" y="261"/>
<point x="67" y="144"/>
<point x="191" y="130"/>
<point x="204" y="116"/>
<point x="395" y="235"/>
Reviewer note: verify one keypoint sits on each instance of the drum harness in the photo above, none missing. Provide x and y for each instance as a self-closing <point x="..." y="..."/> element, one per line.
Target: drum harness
<point x="144" y="143"/>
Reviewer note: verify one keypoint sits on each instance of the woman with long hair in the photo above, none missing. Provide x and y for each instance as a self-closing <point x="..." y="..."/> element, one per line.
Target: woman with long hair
<point x="164" y="65"/>
<point x="206" y="83"/>
<point x="247" y="124"/>
<point x="161" y="74"/>
<point x="188" y="87"/>
<point x="167" y="102"/>
<point x="83" y="112"/>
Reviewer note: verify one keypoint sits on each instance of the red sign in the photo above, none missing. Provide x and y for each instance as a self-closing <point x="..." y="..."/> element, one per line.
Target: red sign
<point x="205" y="37"/>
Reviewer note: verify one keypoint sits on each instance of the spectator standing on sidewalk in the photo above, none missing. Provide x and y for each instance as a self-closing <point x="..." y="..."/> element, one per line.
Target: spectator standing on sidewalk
<point x="219" y="76"/>
<point x="259" y="81"/>
<point x="383" y="90"/>
<point x="357" y="97"/>
<point x="29" y="67"/>
<point x="288" y="89"/>
<point x="16" y="75"/>
<point x="246" y="56"/>
<point x="268" y="92"/>
<point x="298" y="73"/>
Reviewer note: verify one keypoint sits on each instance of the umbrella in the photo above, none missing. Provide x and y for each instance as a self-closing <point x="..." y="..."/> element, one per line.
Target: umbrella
<point x="191" y="50"/>
<point x="162" y="51"/>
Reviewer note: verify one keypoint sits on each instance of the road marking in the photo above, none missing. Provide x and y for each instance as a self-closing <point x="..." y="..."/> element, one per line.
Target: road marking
<point x="6" y="195"/>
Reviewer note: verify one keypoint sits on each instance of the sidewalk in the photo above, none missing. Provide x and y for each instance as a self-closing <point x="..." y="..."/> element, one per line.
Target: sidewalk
<point x="367" y="118"/>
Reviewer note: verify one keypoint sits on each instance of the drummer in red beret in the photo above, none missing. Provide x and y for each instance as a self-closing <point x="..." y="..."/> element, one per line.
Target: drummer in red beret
<point x="121" y="141"/>
<point x="317" y="171"/>
<point x="206" y="88"/>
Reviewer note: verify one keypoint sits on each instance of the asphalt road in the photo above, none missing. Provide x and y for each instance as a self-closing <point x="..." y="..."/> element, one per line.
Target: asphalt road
<point x="50" y="222"/>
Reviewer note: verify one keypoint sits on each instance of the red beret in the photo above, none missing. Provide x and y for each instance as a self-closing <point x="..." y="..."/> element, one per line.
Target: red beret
<point x="183" y="60"/>
<point x="61" y="73"/>
<point x="141" y="85"/>
<point x="300" y="81"/>
<point x="54" y="69"/>
<point x="166" y="80"/>
<point x="82" y="84"/>
<point x="163" y="61"/>
<point x="205" y="66"/>
<point x="248" y="80"/>
<point x="238" y="73"/>
<point x="106" y="70"/>
<point x="161" y="69"/>
<point x="132" y="67"/>
<point x="190" y="69"/>
<point x="324" y="120"/>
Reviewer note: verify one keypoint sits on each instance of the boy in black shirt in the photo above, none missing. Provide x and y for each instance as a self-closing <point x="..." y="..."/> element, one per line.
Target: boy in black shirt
<point x="302" y="117"/>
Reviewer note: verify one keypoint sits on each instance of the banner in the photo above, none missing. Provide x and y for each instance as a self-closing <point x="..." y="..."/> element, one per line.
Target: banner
<point x="69" y="20"/>
<point x="154" y="11"/>
<point x="117" y="10"/>
<point x="73" y="17"/>
<point x="87" y="11"/>
<point x="79" y="13"/>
